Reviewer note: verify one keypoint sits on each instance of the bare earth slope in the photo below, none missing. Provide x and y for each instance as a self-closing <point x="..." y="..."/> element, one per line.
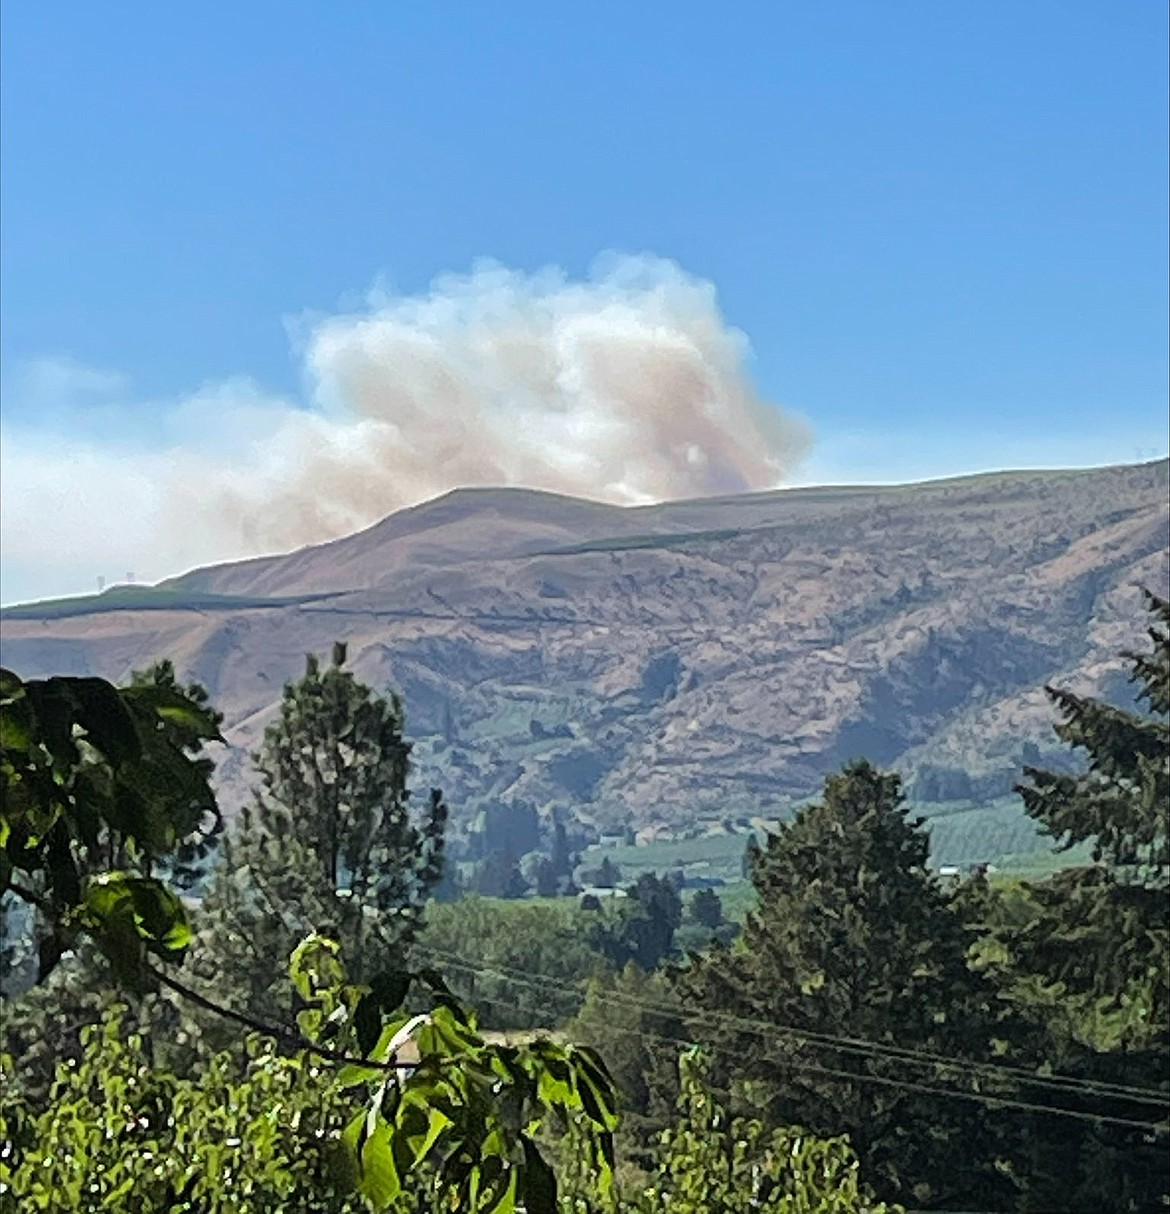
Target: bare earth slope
<point x="675" y="662"/>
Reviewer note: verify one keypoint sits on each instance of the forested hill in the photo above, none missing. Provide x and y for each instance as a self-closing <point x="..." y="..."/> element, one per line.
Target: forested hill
<point x="675" y="662"/>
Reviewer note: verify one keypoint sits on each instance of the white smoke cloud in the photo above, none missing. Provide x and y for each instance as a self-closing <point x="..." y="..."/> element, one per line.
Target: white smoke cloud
<point x="627" y="387"/>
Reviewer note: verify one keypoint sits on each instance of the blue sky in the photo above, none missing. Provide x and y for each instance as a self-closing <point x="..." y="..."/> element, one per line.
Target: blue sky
<point x="941" y="227"/>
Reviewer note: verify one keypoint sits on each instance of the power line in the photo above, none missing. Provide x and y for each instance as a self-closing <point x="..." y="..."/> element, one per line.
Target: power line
<point x="1092" y="1087"/>
<point x="982" y="1097"/>
<point x="850" y="1045"/>
<point x="812" y="1068"/>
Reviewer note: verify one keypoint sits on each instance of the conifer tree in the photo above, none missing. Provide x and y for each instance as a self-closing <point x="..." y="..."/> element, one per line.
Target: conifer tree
<point x="1105" y="932"/>
<point x="643" y="926"/>
<point x="1092" y="964"/>
<point x="329" y="845"/>
<point x="706" y="909"/>
<point x="853" y="940"/>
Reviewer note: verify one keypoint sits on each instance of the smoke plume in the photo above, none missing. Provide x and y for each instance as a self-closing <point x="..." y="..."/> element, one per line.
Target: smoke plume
<point x="628" y="387"/>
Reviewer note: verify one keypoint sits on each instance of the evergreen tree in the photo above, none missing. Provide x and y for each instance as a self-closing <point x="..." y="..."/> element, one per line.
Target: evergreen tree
<point x="632" y="1019"/>
<point x="706" y="909"/>
<point x="853" y="939"/>
<point x="648" y="919"/>
<point x="1106" y="933"/>
<point x="562" y="858"/>
<point x="606" y="875"/>
<point x="1091" y="964"/>
<point x="329" y="845"/>
<point x="544" y="879"/>
<point x="497" y="875"/>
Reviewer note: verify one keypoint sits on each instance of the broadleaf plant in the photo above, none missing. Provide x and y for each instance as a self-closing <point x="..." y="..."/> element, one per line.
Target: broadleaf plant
<point x="445" y="1103"/>
<point x="97" y="790"/>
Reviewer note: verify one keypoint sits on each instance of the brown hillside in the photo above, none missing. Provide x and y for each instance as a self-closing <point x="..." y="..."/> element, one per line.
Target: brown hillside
<point x="681" y="661"/>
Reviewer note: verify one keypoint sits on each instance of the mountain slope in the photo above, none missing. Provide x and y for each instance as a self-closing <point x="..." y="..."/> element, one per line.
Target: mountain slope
<point x="685" y="661"/>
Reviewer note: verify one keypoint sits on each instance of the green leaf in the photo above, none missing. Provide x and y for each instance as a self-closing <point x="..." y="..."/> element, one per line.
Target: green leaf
<point x="353" y="1075"/>
<point x="538" y="1182"/>
<point x="17" y="728"/>
<point x="175" y="708"/>
<point x="159" y="915"/>
<point x="555" y="1090"/>
<point x="447" y="1034"/>
<point x="394" y="1036"/>
<point x="408" y="1134"/>
<point x="379" y="1178"/>
<point x="102" y="713"/>
<point x="495" y="1180"/>
<point x="130" y="916"/>
<point x="386" y="993"/>
<point x="315" y="968"/>
<point x="422" y="1134"/>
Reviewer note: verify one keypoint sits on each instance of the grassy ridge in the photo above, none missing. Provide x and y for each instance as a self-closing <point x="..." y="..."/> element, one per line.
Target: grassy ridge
<point x="145" y="598"/>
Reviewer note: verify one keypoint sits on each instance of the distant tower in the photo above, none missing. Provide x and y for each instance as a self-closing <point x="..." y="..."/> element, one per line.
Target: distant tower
<point x="101" y="584"/>
<point x="130" y="579"/>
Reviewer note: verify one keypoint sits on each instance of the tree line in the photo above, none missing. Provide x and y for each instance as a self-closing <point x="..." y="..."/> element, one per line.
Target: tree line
<point x="869" y="1039"/>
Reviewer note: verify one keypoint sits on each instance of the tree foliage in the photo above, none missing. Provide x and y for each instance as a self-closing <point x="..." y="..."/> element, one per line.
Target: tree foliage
<point x="852" y="940"/>
<point x="454" y="1125"/>
<point x="634" y="1021"/>
<point x="1089" y="965"/>
<point x="1004" y="1046"/>
<point x="712" y="1163"/>
<point x="706" y="910"/>
<point x="330" y="845"/>
<point x="641" y="928"/>
<point x="481" y="945"/>
<point x="465" y="1113"/>
<point x="89" y="767"/>
<point x="97" y="789"/>
<point x="122" y="1135"/>
<point x="1104" y="933"/>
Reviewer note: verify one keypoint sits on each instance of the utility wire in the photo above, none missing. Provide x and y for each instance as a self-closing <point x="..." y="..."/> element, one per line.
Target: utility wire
<point x="846" y="1045"/>
<point x="910" y="1085"/>
<point x="1139" y="1095"/>
<point x="812" y="1068"/>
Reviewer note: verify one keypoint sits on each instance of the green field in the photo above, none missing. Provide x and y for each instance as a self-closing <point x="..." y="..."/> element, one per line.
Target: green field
<point x="715" y="856"/>
<point x="962" y="833"/>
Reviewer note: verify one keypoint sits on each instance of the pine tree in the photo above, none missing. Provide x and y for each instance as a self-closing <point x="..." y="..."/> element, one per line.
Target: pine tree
<point x="1092" y="964"/>
<point x="329" y="845"/>
<point x="1105" y="932"/>
<point x="643" y="928"/>
<point x="852" y="939"/>
<point x="706" y="909"/>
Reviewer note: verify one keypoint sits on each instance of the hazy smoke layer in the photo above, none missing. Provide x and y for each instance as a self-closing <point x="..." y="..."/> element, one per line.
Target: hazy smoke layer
<point x="628" y="387"/>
